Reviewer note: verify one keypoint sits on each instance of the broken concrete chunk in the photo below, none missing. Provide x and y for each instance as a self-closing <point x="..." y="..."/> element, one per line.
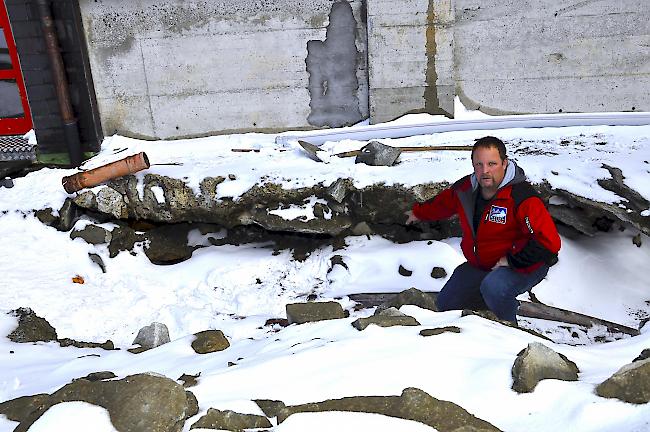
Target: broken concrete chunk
<point x="123" y="239"/>
<point x="112" y="202"/>
<point x="92" y="234"/>
<point x="538" y="362"/>
<point x="338" y="190"/>
<point x="209" y="341"/>
<point x="300" y="313"/>
<point x="153" y="335"/>
<point x="377" y="154"/>
<point x="69" y="214"/>
<point x="631" y="383"/>
<point x="46" y="216"/>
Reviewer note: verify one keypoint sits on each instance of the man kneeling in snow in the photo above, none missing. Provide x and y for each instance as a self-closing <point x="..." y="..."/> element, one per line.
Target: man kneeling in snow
<point x="509" y="238"/>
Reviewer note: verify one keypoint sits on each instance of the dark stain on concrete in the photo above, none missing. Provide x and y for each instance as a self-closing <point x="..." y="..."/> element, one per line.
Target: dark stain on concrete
<point x="431" y="102"/>
<point x="332" y="67"/>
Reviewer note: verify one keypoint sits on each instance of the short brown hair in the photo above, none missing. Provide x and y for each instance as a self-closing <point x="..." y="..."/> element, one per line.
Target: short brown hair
<point x="491" y="142"/>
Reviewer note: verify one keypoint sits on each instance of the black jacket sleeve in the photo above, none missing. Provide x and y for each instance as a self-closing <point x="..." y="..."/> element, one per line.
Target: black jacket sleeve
<point x="531" y="254"/>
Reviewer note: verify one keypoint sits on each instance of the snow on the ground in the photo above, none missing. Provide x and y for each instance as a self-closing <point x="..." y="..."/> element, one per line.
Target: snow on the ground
<point x="236" y="289"/>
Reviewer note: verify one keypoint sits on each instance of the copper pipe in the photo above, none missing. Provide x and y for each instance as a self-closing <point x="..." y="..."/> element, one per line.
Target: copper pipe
<point x="70" y="128"/>
<point x="95" y="176"/>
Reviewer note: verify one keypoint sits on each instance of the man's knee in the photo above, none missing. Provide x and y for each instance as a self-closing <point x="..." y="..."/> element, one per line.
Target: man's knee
<point x="494" y="287"/>
<point x="444" y="301"/>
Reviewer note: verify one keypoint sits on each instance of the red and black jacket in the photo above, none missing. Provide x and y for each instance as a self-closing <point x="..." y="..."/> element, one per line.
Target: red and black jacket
<point x="514" y="223"/>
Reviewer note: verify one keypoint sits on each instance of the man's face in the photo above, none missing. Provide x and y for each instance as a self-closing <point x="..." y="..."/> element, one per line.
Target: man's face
<point x="488" y="167"/>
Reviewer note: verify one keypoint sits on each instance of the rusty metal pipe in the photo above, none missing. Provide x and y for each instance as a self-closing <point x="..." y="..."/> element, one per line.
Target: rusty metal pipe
<point x="70" y="128"/>
<point x="95" y="176"/>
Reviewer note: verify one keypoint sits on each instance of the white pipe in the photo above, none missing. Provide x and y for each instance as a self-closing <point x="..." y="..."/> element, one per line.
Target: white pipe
<point x="365" y="133"/>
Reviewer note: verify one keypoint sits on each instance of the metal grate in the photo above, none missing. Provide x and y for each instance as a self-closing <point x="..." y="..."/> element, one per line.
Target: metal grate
<point x="15" y="148"/>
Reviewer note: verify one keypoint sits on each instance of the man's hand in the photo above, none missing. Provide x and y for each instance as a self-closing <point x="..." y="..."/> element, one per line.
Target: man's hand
<point x="503" y="262"/>
<point x="411" y="217"/>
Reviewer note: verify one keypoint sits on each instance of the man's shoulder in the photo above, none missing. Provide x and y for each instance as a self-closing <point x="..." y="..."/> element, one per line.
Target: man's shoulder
<point x="521" y="191"/>
<point x="463" y="184"/>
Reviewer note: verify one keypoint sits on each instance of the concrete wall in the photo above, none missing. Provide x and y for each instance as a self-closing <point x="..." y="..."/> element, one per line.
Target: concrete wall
<point x="410" y="57"/>
<point x="508" y="56"/>
<point x="552" y="56"/>
<point x="174" y="68"/>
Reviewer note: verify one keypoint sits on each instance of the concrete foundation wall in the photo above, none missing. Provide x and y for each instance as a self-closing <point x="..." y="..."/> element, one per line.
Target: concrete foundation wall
<point x="173" y="68"/>
<point x="553" y="56"/>
<point x="410" y="57"/>
<point x="508" y="57"/>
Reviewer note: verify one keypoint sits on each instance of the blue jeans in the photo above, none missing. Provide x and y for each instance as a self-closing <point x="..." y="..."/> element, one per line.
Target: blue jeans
<point x="496" y="290"/>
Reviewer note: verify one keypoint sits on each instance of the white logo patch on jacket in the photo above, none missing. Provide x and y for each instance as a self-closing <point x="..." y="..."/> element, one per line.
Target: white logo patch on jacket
<point x="498" y="214"/>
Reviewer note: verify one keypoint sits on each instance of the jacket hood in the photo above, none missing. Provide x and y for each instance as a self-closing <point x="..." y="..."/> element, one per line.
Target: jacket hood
<point x="514" y="174"/>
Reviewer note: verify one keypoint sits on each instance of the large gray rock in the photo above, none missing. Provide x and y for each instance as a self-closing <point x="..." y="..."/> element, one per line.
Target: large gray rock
<point x="153" y="335"/>
<point x="300" y="313"/>
<point x="137" y="403"/>
<point x="31" y="327"/>
<point x="538" y="362"/>
<point x="385" y="318"/>
<point x="413" y="404"/>
<point x="631" y="383"/>
<point x="167" y="244"/>
<point x="231" y="421"/>
<point x="20" y="408"/>
<point x="68" y="214"/>
<point x="209" y="341"/>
